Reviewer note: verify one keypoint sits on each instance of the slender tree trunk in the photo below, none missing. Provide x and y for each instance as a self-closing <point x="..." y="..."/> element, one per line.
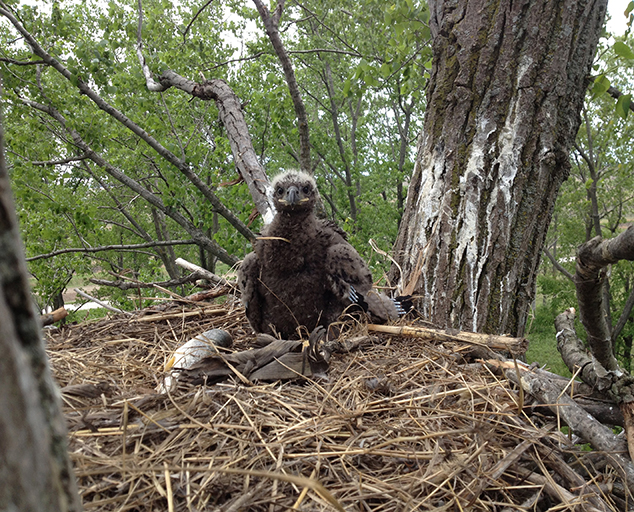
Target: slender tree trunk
<point x="166" y="253"/>
<point x="35" y="471"/>
<point x="506" y="89"/>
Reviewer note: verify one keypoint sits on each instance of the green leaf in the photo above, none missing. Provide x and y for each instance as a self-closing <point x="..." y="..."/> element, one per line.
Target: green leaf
<point x="623" y="50"/>
<point x="400" y="28"/>
<point x="601" y="85"/>
<point x="371" y="81"/>
<point x="623" y="105"/>
<point x="346" y="87"/>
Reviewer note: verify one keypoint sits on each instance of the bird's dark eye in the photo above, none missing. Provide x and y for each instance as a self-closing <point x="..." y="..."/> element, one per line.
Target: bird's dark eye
<point x="279" y="191"/>
<point x="306" y="189"/>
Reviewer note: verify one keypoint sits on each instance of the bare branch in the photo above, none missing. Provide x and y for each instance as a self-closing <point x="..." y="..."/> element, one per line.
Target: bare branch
<point x="326" y="50"/>
<point x="125" y="284"/>
<point x="191" y="22"/>
<point x="21" y="62"/>
<point x="625" y="315"/>
<point x="233" y="120"/>
<point x="558" y="266"/>
<point x="101" y="303"/>
<point x="64" y="161"/>
<point x="206" y="274"/>
<point x="271" y="22"/>
<point x="592" y="257"/>
<point x="110" y="248"/>
<point x="151" y="84"/>
<point x="599" y="436"/>
<point x="241" y="59"/>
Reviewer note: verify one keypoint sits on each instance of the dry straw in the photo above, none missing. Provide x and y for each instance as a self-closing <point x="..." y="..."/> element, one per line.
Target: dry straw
<point x="400" y="424"/>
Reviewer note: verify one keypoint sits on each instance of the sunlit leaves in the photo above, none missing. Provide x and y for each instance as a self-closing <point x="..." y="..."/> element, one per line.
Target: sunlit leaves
<point x="623" y="105"/>
<point x="601" y="85"/>
<point x="360" y="63"/>
<point x="623" y="50"/>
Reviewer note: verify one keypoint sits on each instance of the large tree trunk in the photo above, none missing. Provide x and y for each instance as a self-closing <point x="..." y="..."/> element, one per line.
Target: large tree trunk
<point x="506" y="89"/>
<point x="35" y="472"/>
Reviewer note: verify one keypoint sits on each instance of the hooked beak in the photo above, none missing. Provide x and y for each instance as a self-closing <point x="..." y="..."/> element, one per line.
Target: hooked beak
<point x="292" y="195"/>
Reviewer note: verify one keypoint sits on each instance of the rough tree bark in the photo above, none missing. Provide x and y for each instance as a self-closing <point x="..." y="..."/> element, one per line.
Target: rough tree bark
<point x="590" y="278"/>
<point x="35" y="471"/>
<point x="592" y="258"/>
<point x="506" y="88"/>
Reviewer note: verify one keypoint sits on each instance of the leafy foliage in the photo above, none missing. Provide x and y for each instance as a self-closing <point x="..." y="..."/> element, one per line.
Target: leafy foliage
<point x="598" y="197"/>
<point x="360" y="73"/>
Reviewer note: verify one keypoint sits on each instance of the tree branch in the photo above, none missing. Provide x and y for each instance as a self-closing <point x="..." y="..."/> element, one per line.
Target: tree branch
<point x="21" y="62"/>
<point x="199" y="237"/>
<point x="102" y="248"/>
<point x="271" y="25"/>
<point x="139" y="229"/>
<point x="592" y="257"/>
<point x="63" y="161"/>
<point x="325" y="50"/>
<point x="558" y="266"/>
<point x="230" y="111"/>
<point x="616" y="94"/>
<point x="625" y="315"/>
<point x="151" y="84"/>
<point x="617" y="385"/>
<point x="599" y="436"/>
<point x="85" y="89"/>
<point x="191" y="22"/>
<point x="135" y="285"/>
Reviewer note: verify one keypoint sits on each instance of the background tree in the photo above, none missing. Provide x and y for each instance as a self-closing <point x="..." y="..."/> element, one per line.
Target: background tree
<point x="597" y="200"/>
<point x="146" y="167"/>
<point x="506" y="89"/>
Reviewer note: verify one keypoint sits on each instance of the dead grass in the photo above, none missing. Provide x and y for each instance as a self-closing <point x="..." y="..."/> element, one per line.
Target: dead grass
<point x="397" y="426"/>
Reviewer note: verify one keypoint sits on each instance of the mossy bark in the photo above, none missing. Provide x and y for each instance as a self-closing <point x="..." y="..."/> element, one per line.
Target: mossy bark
<point x="505" y="92"/>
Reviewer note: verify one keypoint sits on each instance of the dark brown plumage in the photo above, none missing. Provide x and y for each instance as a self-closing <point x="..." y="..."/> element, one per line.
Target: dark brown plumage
<point x="302" y="271"/>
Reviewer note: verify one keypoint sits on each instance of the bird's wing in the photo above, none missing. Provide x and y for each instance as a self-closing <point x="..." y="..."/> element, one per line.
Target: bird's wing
<point x="351" y="282"/>
<point x="248" y="275"/>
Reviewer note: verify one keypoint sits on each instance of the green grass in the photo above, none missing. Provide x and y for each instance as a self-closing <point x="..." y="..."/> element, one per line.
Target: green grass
<point x="86" y="315"/>
<point x="542" y="346"/>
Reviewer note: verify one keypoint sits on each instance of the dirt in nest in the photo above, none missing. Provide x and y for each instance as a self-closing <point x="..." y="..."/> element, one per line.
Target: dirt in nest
<point x="397" y="425"/>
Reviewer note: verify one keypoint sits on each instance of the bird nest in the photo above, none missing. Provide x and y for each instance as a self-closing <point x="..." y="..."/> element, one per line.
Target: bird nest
<point x="398" y="424"/>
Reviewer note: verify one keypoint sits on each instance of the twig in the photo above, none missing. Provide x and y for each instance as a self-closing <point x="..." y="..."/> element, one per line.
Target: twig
<point x="101" y="303"/>
<point x="495" y="342"/>
<point x="129" y="247"/>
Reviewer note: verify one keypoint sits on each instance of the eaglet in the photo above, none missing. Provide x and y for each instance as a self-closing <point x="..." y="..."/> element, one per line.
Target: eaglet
<point x="302" y="271"/>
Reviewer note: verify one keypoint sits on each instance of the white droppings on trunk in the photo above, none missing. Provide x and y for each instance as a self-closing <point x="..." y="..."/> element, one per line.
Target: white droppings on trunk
<point x="508" y="151"/>
<point x="426" y="217"/>
<point x="269" y="214"/>
<point x="472" y="185"/>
